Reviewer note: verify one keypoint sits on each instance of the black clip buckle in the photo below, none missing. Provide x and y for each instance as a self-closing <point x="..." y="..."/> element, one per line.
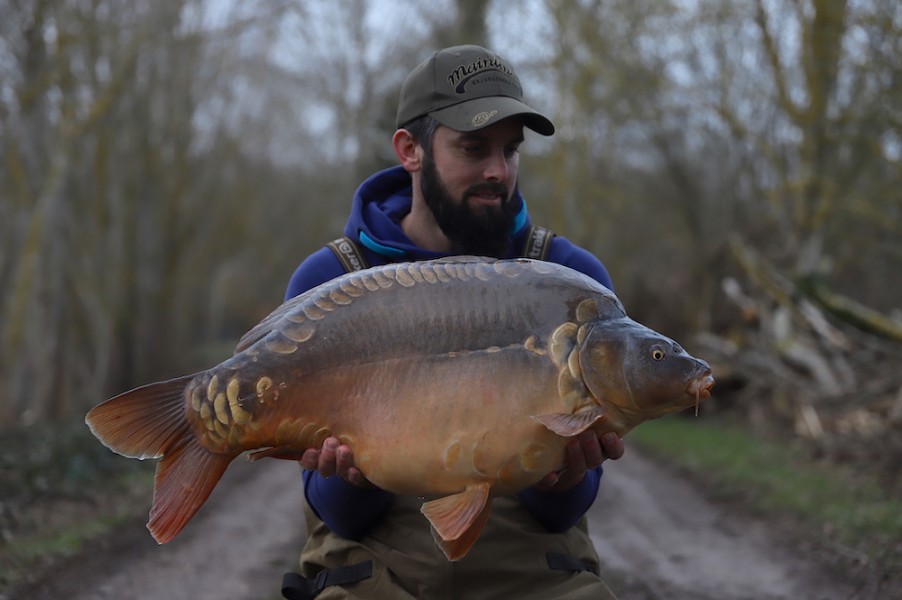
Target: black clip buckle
<point x="319" y="582"/>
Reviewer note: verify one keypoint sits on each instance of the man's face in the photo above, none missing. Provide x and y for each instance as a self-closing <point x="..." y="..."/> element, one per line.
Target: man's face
<point x="469" y="183"/>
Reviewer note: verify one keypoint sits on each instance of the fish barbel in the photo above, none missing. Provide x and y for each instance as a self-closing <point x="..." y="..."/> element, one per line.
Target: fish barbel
<point x="453" y="380"/>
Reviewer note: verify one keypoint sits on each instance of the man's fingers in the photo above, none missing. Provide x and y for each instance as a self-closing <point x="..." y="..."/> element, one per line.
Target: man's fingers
<point x="576" y="457"/>
<point x="355" y="477"/>
<point x="548" y="482"/>
<point x="334" y="458"/>
<point x="590" y="449"/>
<point x="310" y="459"/>
<point x="612" y="445"/>
<point x="344" y="462"/>
<point x="328" y="458"/>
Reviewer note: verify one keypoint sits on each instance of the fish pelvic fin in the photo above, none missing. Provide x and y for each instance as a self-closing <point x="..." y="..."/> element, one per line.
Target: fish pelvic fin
<point x="280" y="452"/>
<point x="569" y="425"/>
<point x="458" y="520"/>
<point x="150" y="422"/>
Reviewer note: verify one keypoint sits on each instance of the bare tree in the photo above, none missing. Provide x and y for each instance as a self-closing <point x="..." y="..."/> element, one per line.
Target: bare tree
<point x="164" y="167"/>
<point x="105" y="207"/>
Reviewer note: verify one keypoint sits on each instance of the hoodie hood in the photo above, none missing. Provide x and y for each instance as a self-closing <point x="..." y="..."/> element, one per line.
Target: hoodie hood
<point x="383" y="200"/>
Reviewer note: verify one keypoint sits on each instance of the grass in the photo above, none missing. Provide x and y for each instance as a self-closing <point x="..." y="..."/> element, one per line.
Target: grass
<point x="780" y="478"/>
<point x="64" y="540"/>
<point x="59" y="489"/>
<point x="63" y="528"/>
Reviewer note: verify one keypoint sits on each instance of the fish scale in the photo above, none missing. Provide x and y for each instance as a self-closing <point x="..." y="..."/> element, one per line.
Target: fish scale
<point x="457" y="380"/>
<point x="402" y="313"/>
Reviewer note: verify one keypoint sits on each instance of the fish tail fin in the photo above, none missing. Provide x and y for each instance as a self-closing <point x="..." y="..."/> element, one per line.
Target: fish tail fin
<point x="149" y="422"/>
<point x="144" y="422"/>
<point x="184" y="480"/>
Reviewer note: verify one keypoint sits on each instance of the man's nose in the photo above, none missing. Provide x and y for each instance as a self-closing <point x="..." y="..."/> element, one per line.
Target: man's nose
<point x="496" y="168"/>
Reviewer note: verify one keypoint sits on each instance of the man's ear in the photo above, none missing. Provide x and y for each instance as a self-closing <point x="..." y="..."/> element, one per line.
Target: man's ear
<point x="407" y="150"/>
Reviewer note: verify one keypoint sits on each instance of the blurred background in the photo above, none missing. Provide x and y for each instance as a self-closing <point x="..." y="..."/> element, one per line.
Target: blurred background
<point x="736" y="164"/>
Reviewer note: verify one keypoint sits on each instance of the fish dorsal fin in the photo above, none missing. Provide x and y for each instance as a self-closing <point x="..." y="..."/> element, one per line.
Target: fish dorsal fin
<point x="573" y="424"/>
<point x="458" y="520"/>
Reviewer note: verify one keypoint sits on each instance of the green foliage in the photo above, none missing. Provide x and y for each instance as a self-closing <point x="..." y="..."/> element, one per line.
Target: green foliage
<point x="52" y="544"/>
<point x="779" y="477"/>
<point x="59" y="488"/>
<point x="62" y="459"/>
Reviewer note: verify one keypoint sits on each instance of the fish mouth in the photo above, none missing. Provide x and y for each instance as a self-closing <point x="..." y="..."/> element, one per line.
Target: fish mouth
<point x="700" y="387"/>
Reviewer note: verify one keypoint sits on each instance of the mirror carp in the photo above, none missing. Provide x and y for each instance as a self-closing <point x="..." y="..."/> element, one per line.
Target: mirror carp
<point x="454" y="380"/>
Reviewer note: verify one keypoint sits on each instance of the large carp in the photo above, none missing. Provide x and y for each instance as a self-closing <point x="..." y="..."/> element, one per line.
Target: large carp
<point x="454" y="380"/>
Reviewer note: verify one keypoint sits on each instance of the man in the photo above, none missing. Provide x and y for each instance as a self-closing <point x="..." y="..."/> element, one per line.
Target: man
<point x="460" y="126"/>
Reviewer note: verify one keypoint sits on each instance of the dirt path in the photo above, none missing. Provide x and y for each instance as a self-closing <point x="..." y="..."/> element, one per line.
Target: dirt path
<point x="658" y="538"/>
<point x="247" y="535"/>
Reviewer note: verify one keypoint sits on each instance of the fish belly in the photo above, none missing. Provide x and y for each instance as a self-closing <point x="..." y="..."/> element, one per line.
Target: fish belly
<point x="433" y="425"/>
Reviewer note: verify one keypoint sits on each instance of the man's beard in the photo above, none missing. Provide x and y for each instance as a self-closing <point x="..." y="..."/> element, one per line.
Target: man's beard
<point x="481" y="230"/>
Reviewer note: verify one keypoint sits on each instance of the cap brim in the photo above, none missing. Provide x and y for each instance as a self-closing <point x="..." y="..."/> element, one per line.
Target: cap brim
<point x="481" y="112"/>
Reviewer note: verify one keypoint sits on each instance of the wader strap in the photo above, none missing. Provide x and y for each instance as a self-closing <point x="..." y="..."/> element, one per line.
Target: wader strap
<point x="565" y="562"/>
<point x="538" y="243"/>
<point x="295" y="587"/>
<point x="348" y="253"/>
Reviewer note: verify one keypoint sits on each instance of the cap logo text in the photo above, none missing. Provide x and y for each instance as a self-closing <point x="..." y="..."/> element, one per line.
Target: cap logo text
<point x="480" y="119"/>
<point x="459" y="77"/>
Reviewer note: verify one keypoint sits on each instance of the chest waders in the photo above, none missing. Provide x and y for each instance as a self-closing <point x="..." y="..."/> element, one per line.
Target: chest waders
<point x="350" y="255"/>
<point x="515" y="557"/>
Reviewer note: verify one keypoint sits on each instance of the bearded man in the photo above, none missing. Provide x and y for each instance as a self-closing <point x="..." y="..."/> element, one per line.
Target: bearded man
<point x="460" y="129"/>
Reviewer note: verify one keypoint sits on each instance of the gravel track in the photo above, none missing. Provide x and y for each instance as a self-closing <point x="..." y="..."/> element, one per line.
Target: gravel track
<point x="658" y="536"/>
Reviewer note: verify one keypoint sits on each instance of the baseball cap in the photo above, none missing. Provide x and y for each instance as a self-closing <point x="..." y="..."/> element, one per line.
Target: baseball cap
<point x="466" y="88"/>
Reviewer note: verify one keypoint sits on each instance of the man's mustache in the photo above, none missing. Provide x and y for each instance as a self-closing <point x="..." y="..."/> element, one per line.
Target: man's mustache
<point x="488" y="189"/>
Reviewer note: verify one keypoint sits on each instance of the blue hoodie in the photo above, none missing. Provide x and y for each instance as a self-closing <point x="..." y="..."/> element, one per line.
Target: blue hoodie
<point x="375" y="222"/>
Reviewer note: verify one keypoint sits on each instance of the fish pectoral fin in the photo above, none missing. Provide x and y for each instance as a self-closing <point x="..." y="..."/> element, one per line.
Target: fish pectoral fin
<point x="573" y="424"/>
<point x="458" y="520"/>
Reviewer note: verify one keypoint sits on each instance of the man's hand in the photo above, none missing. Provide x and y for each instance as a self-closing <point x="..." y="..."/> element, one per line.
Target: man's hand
<point x="585" y="451"/>
<point x="335" y="459"/>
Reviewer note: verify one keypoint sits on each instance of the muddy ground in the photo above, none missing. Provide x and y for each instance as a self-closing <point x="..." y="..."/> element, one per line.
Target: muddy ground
<point x="657" y="534"/>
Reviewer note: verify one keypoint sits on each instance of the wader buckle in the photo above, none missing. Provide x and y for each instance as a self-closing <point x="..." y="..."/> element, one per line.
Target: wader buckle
<point x="296" y="587"/>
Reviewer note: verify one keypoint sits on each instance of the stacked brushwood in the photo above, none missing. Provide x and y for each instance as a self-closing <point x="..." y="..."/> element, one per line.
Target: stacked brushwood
<point x="813" y="362"/>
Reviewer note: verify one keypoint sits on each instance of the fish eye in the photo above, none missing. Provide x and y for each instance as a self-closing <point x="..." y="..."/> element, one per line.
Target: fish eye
<point x="658" y="353"/>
